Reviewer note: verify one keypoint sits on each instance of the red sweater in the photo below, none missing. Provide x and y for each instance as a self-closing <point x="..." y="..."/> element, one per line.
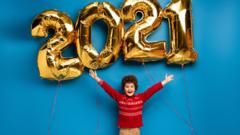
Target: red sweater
<point x="130" y="108"/>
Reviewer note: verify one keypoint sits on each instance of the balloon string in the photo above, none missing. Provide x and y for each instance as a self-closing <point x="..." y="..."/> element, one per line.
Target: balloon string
<point x="98" y="119"/>
<point x="174" y="109"/>
<point x="187" y="101"/>
<point x="53" y="108"/>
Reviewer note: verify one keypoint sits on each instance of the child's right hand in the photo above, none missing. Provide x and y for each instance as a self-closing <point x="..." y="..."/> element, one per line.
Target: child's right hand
<point x="93" y="74"/>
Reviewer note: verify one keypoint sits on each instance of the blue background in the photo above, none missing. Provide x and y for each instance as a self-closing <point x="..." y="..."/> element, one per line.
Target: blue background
<point x="83" y="108"/>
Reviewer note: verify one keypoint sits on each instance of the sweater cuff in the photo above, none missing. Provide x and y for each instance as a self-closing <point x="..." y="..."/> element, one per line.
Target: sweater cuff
<point x="161" y="84"/>
<point x="101" y="82"/>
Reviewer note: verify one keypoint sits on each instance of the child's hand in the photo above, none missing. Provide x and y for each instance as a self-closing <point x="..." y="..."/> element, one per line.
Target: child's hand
<point x="167" y="79"/>
<point x="93" y="74"/>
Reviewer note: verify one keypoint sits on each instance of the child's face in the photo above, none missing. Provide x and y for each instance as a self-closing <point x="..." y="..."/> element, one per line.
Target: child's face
<point x="129" y="89"/>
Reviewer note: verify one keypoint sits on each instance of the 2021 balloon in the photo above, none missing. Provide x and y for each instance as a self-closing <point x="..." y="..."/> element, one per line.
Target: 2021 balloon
<point x="51" y="64"/>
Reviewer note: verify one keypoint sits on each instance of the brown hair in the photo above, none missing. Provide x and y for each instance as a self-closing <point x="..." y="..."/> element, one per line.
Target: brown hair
<point x="130" y="79"/>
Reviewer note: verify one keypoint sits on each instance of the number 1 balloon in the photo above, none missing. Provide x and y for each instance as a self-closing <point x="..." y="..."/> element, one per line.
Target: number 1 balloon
<point x="179" y="16"/>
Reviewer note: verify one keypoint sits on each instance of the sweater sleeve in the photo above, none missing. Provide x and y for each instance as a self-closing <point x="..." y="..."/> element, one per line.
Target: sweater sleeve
<point x="150" y="91"/>
<point x="112" y="92"/>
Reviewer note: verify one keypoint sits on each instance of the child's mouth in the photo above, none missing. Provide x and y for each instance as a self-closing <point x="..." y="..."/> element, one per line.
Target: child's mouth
<point x="129" y="92"/>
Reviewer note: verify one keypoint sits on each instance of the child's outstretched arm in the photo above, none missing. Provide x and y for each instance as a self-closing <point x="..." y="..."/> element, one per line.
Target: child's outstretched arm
<point x="156" y="87"/>
<point x="112" y="92"/>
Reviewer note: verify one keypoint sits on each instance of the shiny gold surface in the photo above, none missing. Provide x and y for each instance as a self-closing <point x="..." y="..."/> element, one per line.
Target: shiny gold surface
<point x="51" y="64"/>
<point x="87" y="53"/>
<point x="133" y="42"/>
<point x="179" y="15"/>
<point x="135" y="45"/>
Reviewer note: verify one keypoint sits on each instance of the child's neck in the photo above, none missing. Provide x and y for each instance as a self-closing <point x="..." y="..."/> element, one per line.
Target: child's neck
<point x="130" y="96"/>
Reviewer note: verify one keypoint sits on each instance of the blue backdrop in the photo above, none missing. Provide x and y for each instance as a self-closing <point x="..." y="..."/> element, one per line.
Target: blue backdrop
<point x="82" y="107"/>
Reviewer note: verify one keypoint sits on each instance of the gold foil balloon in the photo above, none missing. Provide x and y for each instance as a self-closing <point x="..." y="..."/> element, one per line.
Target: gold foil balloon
<point x="51" y="64"/>
<point x="135" y="46"/>
<point x="87" y="53"/>
<point x="179" y="16"/>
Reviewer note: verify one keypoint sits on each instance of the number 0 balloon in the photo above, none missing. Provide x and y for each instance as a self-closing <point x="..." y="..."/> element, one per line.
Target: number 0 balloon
<point x="87" y="53"/>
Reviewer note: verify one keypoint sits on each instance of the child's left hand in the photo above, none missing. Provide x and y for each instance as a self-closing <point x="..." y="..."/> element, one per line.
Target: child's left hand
<point x="167" y="79"/>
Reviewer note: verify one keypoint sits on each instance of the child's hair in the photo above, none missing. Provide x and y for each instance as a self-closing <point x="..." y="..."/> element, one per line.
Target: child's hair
<point x="130" y="79"/>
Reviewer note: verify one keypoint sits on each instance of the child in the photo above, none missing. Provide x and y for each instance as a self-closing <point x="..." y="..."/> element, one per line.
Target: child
<point x="130" y="105"/>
